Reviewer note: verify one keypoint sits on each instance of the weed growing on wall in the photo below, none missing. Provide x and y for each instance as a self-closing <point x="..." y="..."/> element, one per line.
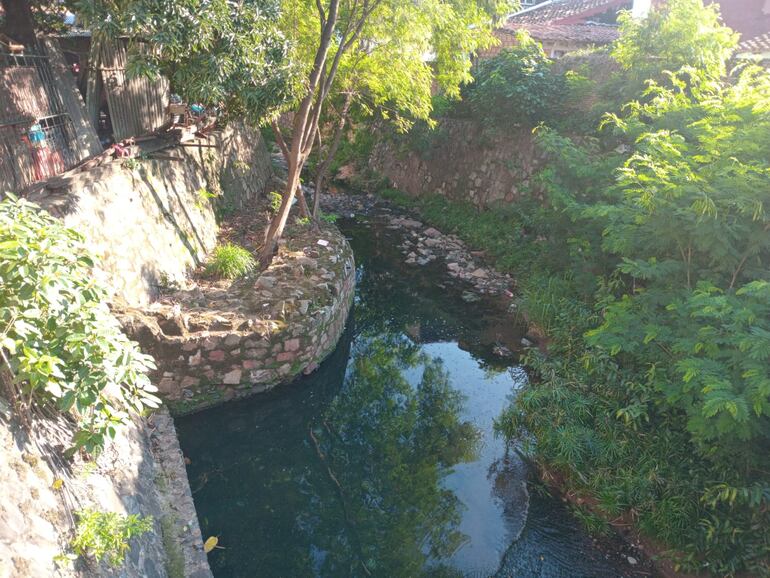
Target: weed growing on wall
<point x="107" y="535"/>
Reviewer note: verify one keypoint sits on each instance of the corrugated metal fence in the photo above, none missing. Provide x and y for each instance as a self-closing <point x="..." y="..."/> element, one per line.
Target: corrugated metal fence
<point x="137" y="104"/>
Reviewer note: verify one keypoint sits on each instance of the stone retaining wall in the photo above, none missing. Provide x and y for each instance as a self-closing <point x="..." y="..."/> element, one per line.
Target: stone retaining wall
<point x="216" y="343"/>
<point x="140" y="471"/>
<point x="150" y="221"/>
<point x="463" y="163"/>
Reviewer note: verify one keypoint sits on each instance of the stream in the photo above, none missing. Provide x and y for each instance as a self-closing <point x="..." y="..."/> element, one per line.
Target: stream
<point x="384" y="462"/>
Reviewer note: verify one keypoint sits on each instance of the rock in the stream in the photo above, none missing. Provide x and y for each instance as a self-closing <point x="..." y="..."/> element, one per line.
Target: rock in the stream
<point x="470" y="297"/>
<point x="502" y="351"/>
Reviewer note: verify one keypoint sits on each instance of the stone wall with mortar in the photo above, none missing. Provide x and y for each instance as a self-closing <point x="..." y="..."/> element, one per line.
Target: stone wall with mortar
<point x="141" y="471"/>
<point x="463" y="163"/>
<point x="150" y="221"/>
<point x="214" y="343"/>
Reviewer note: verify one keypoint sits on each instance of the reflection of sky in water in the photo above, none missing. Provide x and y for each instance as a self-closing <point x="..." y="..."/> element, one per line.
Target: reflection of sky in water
<point x="489" y="523"/>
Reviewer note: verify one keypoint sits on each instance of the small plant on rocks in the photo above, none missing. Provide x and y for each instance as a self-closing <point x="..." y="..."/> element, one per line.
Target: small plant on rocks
<point x="106" y="535"/>
<point x="275" y="201"/>
<point x="231" y="261"/>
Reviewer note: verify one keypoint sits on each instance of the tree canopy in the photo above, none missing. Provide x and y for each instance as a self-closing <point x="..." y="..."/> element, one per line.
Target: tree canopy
<point x="232" y="54"/>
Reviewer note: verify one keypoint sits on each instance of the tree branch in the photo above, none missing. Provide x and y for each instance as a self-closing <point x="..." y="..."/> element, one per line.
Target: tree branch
<point x="279" y="140"/>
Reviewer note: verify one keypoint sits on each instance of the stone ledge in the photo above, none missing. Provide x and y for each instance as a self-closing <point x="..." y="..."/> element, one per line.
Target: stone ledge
<point x="181" y="533"/>
<point x="220" y="341"/>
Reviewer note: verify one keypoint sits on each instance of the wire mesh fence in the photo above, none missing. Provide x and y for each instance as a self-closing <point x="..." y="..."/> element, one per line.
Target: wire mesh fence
<point x="37" y="137"/>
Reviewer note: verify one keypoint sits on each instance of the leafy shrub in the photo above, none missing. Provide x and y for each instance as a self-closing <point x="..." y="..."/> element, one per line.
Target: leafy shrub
<point x="692" y="232"/>
<point x="330" y="218"/>
<point x="59" y="340"/>
<point x="657" y="402"/>
<point x="107" y="534"/>
<point x="275" y="201"/>
<point x="230" y="261"/>
<point x="516" y="87"/>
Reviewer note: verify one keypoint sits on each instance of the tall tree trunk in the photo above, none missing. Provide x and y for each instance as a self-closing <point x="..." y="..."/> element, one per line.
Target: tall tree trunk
<point x="323" y="168"/>
<point x="306" y="120"/>
<point x="300" y="128"/>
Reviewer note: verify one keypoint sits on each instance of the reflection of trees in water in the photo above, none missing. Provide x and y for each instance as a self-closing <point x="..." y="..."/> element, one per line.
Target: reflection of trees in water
<point x="508" y="475"/>
<point x="385" y="446"/>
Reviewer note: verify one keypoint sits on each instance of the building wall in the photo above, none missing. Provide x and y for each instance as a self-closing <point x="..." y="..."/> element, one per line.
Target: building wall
<point x="749" y="17"/>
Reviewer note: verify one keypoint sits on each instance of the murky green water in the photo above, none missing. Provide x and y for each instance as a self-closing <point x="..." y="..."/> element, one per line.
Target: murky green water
<point x="383" y="462"/>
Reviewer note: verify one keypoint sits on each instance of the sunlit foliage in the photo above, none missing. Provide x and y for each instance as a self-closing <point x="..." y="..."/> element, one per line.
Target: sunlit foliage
<point x="62" y="346"/>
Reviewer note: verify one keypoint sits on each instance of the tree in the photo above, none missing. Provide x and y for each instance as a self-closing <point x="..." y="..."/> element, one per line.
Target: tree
<point x="228" y="54"/>
<point x="259" y="58"/>
<point x="387" y="74"/>
<point x="517" y="87"/>
<point x="351" y="32"/>
<point x="678" y="33"/>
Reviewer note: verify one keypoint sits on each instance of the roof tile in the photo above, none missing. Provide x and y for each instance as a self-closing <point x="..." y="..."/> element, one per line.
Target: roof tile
<point x="555" y="10"/>
<point x="589" y="33"/>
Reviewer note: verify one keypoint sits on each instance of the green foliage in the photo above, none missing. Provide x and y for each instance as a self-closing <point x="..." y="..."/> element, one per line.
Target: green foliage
<point x="275" y="200"/>
<point x="63" y="346"/>
<point x="652" y="248"/>
<point x="692" y="232"/>
<point x="106" y="535"/>
<point x="678" y="33"/>
<point x="216" y="53"/>
<point x="330" y="217"/>
<point x="355" y="150"/>
<point x="230" y="261"/>
<point x="517" y="87"/>
<point x="658" y="385"/>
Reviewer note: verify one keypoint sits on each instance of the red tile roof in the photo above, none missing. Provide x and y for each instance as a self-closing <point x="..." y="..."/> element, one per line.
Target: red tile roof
<point x="565" y="11"/>
<point x="583" y="33"/>
<point x="757" y="45"/>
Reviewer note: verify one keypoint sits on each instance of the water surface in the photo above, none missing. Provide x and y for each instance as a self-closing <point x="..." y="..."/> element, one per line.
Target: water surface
<point x="384" y="462"/>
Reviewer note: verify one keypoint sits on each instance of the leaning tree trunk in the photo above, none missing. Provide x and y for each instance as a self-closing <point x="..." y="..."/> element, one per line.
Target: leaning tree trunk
<point x="323" y="168"/>
<point x="275" y="230"/>
<point x="306" y="120"/>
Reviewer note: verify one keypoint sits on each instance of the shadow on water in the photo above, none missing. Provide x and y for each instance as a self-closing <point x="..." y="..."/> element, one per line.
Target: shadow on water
<point x="384" y="462"/>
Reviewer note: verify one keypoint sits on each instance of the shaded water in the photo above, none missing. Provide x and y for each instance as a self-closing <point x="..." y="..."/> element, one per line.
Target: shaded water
<point x="383" y="462"/>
